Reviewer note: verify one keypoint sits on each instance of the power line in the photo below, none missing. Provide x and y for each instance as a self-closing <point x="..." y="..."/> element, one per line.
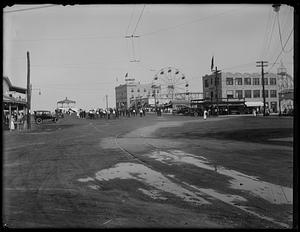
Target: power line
<point x="266" y="32"/>
<point x="27" y="9"/>
<point x="139" y="20"/>
<point x="271" y="36"/>
<point x="282" y="49"/>
<point x="280" y="36"/>
<point x="189" y="22"/>
<point x="130" y="21"/>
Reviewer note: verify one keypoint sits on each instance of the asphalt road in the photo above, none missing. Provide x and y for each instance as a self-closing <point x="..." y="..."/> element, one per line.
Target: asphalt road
<point x="153" y="172"/>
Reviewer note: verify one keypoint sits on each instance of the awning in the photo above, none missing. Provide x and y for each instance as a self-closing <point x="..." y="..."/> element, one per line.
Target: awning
<point x="254" y="104"/>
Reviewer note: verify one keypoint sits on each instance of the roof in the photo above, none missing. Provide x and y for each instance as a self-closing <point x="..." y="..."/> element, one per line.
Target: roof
<point x="14" y="88"/>
<point x="13" y="100"/>
<point x="66" y="101"/>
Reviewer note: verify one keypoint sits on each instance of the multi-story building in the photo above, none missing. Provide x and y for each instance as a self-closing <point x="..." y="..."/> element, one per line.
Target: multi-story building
<point x="245" y="86"/>
<point x="132" y="92"/>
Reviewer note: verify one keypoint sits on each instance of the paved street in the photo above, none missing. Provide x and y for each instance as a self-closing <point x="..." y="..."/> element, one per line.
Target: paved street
<point x="165" y="172"/>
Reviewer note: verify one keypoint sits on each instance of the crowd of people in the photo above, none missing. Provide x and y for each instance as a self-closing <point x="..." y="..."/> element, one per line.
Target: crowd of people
<point x="112" y="113"/>
<point x="15" y="121"/>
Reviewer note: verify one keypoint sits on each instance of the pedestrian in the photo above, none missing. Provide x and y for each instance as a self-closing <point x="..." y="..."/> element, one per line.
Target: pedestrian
<point x="254" y="112"/>
<point x="144" y="112"/>
<point x="141" y="112"/>
<point x="114" y="113"/>
<point x="12" y="123"/>
<point x="133" y="112"/>
<point x="204" y="114"/>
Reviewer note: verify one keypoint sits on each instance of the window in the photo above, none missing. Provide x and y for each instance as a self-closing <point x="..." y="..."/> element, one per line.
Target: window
<point x="229" y="93"/>
<point x="211" y="95"/>
<point x="132" y="90"/>
<point x="238" y="81"/>
<point x="145" y="90"/>
<point x="266" y="81"/>
<point x="266" y="93"/>
<point x="239" y="94"/>
<point x="247" y="93"/>
<point x="274" y="106"/>
<point x="272" y="81"/>
<point x="273" y="93"/>
<point x="138" y="90"/>
<point x="255" y="81"/>
<point x="247" y="81"/>
<point x="206" y="83"/>
<point x="229" y="81"/>
<point x="256" y="93"/>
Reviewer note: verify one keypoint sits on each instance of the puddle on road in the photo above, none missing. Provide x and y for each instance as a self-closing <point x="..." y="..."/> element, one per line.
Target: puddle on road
<point x="273" y="193"/>
<point x="147" y="176"/>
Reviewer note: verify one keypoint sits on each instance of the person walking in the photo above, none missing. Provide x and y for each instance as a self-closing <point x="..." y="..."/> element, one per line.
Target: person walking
<point x="141" y="112"/>
<point x="205" y="114"/>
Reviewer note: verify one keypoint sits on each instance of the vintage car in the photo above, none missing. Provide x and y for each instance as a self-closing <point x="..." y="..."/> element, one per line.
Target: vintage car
<point x="44" y="115"/>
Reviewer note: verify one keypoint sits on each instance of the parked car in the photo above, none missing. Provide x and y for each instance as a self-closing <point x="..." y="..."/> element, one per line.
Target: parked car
<point x="191" y="111"/>
<point x="44" y="115"/>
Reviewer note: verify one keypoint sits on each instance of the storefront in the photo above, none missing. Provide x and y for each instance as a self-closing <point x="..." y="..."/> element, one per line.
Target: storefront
<point x="14" y="106"/>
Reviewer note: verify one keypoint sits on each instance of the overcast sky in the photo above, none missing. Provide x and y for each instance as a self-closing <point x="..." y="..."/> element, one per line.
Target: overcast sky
<point x="81" y="52"/>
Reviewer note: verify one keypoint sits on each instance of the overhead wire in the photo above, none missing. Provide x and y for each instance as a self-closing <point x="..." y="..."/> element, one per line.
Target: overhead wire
<point x="282" y="49"/>
<point x="271" y="36"/>
<point x="186" y="23"/>
<point x="27" y="9"/>
<point x="266" y="32"/>
<point x="139" y="19"/>
<point x="280" y="35"/>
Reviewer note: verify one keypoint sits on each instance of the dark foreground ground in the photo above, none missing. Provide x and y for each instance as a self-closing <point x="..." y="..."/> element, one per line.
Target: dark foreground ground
<point x="153" y="172"/>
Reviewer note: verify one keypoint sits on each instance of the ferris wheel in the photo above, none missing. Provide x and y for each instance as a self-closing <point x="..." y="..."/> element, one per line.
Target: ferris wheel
<point x="168" y="83"/>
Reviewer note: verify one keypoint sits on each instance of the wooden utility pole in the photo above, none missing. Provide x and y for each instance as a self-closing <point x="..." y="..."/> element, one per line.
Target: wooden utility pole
<point x="28" y="94"/>
<point x="262" y="64"/>
<point x="216" y="84"/>
<point x="106" y="98"/>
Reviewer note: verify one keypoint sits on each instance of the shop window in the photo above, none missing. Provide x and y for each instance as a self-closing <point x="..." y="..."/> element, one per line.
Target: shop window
<point x="273" y="93"/>
<point x="247" y="93"/>
<point x="255" y="81"/>
<point x="266" y="93"/>
<point x="238" y="81"/>
<point x="265" y="81"/>
<point x="229" y="81"/>
<point x="206" y="83"/>
<point x="256" y="93"/>
<point x="272" y="81"/>
<point x="239" y="94"/>
<point x="247" y="81"/>
<point x="229" y="94"/>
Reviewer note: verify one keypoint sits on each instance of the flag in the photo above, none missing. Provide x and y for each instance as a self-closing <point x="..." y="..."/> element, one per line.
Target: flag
<point x="126" y="75"/>
<point x="212" y="63"/>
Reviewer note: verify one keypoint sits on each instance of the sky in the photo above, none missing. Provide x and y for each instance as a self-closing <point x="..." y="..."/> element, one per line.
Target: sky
<point x="80" y="52"/>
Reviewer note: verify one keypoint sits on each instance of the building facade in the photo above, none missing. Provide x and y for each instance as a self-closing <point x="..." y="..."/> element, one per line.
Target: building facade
<point x="131" y="92"/>
<point x="247" y="86"/>
<point x="14" y="103"/>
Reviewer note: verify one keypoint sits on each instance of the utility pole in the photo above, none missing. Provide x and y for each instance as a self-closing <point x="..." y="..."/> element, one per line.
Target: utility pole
<point x="106" y="98"/>
<point x="262" y="64"/>
<point x="28" y="93"/>
<point x="216" y="84"/>
<point x="132" y="41"/>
